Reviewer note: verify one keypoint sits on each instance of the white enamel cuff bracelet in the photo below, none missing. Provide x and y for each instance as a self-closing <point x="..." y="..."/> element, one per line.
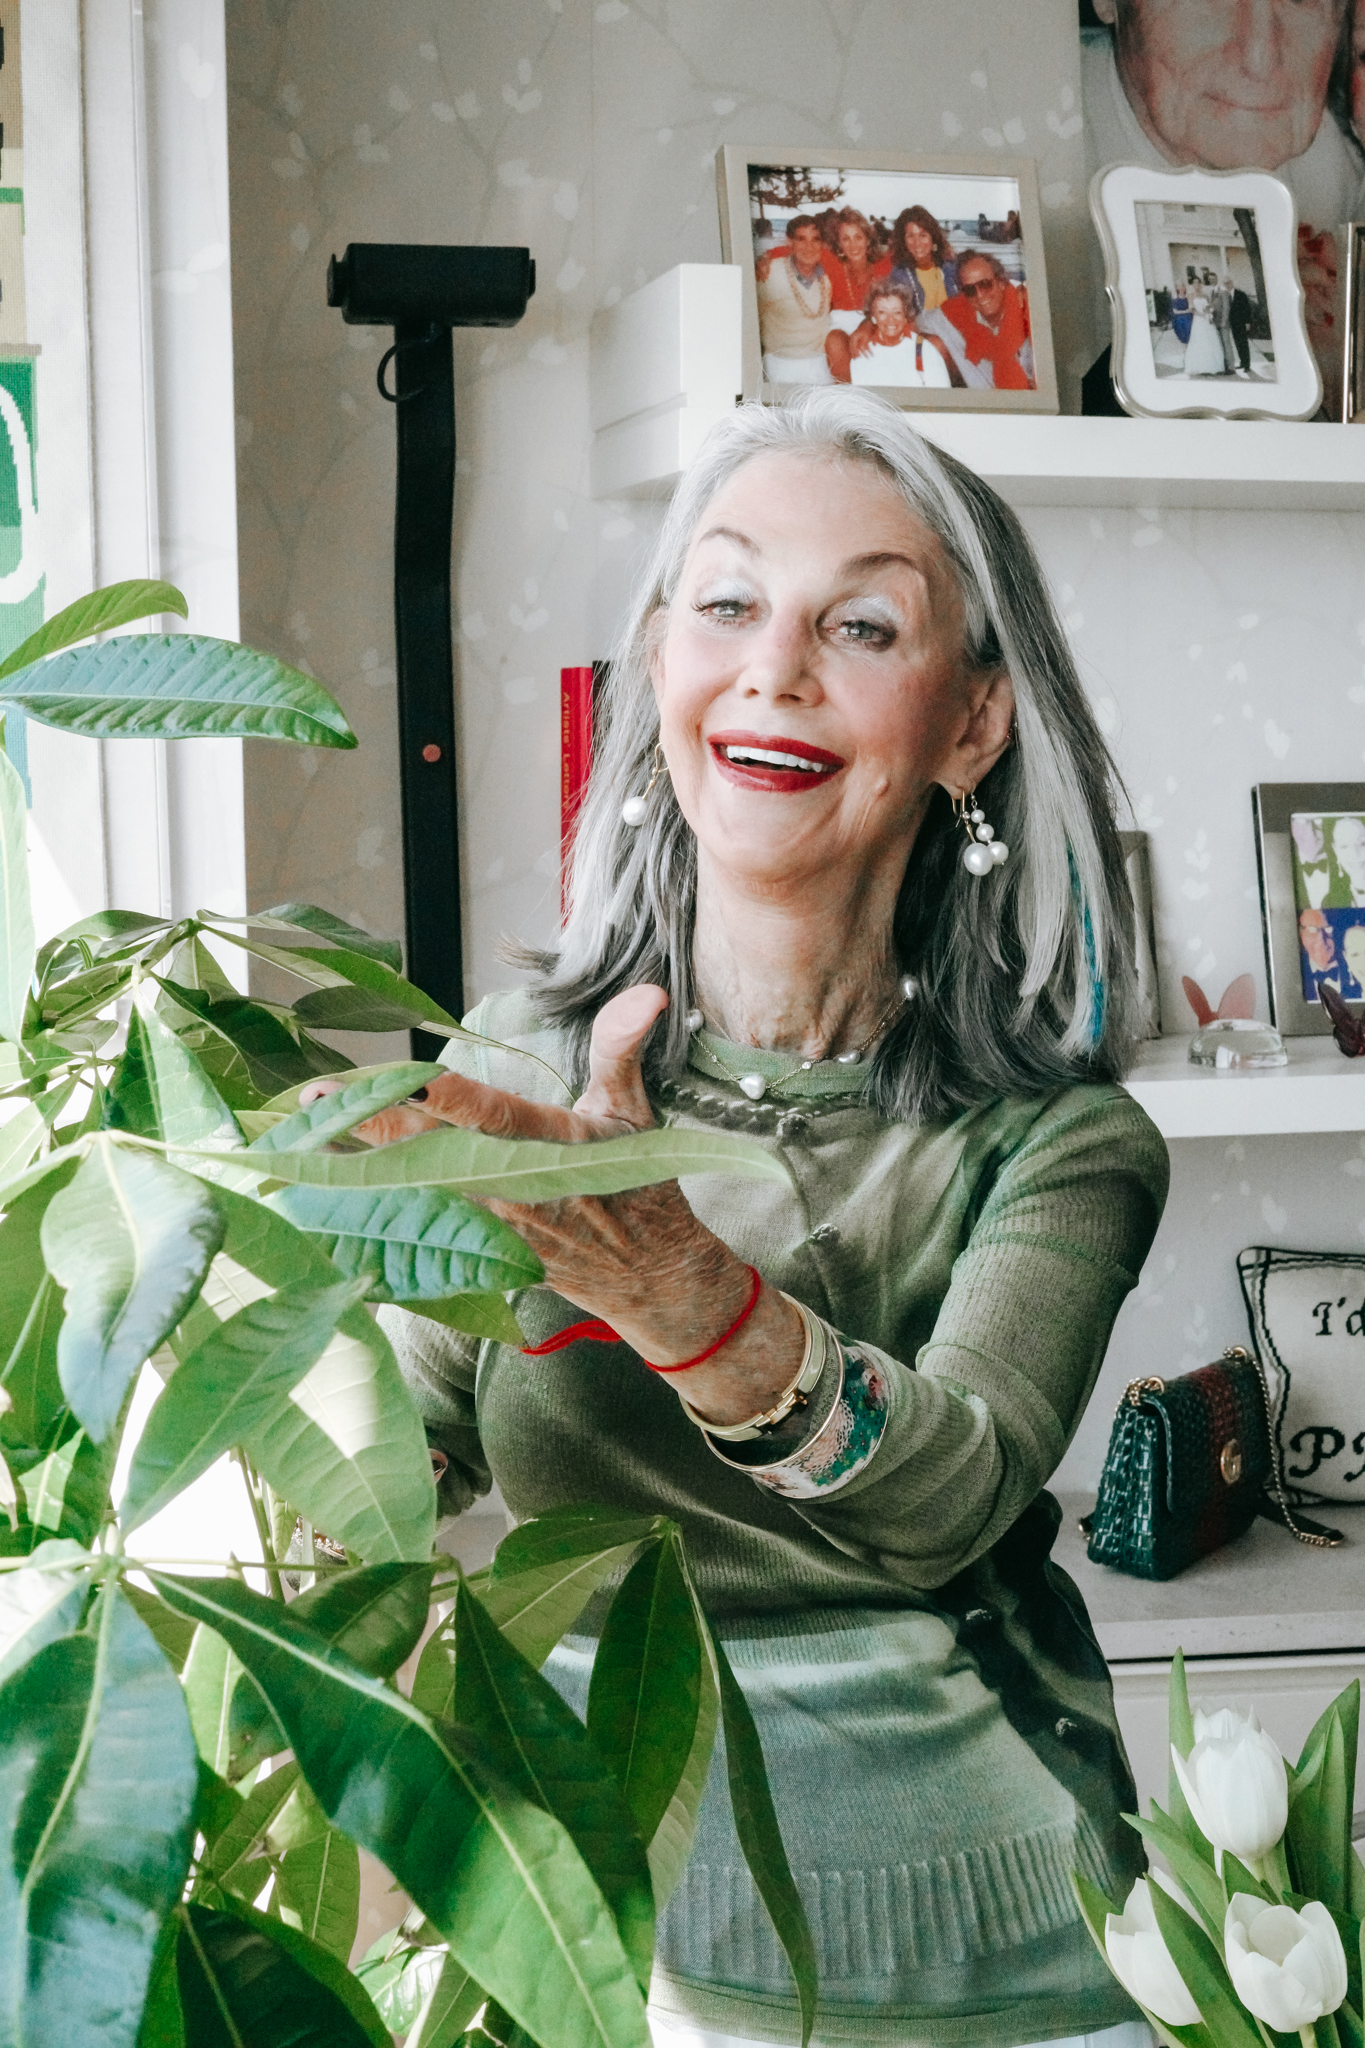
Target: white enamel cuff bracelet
<point x="812" y="1365"/>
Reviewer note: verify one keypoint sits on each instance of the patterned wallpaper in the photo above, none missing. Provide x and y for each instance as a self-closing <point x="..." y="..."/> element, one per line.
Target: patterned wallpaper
<point x="1221" y="649"/>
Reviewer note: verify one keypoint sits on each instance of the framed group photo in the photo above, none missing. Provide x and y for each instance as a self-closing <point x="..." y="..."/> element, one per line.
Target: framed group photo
<point x="1310" y="845"/>
<point x="1202" y="279"/>
<point x="921" y="277"/>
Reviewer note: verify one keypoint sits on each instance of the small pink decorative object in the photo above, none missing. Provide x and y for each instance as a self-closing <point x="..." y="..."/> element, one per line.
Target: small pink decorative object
<point x="1238" y="999"/>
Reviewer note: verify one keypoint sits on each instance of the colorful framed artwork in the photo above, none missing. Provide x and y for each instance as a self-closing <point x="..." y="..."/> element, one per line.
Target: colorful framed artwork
<point x="921" y="277"/>
<point x="1310" y="845"/>
<point x="1207" y="307"/>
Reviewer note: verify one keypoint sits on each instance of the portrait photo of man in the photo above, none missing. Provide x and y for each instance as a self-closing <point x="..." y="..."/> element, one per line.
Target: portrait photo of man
<point x="1232" y="85"/>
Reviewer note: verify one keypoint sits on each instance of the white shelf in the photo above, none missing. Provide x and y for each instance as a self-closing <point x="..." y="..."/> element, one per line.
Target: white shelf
<point x="1240" y="465"/>
<point x="1319" y="1090"/>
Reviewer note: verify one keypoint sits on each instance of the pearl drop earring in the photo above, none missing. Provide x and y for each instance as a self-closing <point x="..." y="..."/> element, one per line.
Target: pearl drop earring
<point x="983" y="850"/>
<point x="635" y="809"/>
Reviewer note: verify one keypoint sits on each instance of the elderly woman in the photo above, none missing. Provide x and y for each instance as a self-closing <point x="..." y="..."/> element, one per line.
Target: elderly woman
<point x="848" y="880"/>
<point x="898" y="354"/>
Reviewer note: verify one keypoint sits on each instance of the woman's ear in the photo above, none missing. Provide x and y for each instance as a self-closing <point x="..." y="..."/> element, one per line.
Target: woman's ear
<point x="988" y="733"/>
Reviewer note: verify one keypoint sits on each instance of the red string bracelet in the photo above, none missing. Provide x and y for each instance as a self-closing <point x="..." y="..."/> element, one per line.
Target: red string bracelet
<point x="596" y="1332"/>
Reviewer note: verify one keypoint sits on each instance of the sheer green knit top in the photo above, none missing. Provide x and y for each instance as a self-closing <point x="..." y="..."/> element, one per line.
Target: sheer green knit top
<point x="936" y="1716"/>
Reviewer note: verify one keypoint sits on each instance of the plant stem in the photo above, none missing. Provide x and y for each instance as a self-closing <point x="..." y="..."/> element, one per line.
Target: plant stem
<point x="1308" y="2037"/>
<point x="262" y="1525"/>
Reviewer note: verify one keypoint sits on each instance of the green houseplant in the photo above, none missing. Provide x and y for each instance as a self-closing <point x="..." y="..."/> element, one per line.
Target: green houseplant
<point x="188" y="1765"/>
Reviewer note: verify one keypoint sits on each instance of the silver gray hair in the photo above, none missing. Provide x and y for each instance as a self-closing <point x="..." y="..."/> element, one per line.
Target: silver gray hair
<point x="1026" y="976"/>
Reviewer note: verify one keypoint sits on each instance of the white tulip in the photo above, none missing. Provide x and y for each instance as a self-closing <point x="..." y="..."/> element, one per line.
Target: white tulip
<point x="1142" y="1962"/>
<point x="1287" y="1968"/>
<point x="1234" y="1784"/>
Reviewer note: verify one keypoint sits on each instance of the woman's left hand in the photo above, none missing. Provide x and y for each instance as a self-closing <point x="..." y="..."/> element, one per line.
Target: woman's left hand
<point x="641" y="1261"/>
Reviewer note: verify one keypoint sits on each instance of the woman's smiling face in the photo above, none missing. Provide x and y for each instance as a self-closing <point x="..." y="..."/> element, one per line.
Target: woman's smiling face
<point x="810" y="674"/>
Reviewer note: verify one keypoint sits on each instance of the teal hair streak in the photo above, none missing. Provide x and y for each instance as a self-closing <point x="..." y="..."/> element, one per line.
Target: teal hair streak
<point x="1098" y="996"/>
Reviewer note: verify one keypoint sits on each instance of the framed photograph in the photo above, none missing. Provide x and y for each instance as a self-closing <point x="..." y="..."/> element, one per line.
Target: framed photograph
<point x="1351" y="272"/>
<point x="920" y="276"/>
<point x="1207" y="306"/>
<point x="1310" y="849"/>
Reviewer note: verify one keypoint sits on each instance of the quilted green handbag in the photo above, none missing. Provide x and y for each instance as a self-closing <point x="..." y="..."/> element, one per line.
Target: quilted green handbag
<point x="1188" y="1468"/>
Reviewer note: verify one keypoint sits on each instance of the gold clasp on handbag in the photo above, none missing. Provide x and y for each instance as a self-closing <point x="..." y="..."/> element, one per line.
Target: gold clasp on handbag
<point x="1230" y="1461"/>
<point x="1135" y="1390"/>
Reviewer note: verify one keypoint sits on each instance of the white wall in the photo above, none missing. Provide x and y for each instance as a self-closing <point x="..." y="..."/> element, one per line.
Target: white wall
<point x="1221" y="649"/>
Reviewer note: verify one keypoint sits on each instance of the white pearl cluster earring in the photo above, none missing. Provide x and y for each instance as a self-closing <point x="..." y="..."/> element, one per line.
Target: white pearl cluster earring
<point x="983" y="850"/>
<point x="635" y="809"/>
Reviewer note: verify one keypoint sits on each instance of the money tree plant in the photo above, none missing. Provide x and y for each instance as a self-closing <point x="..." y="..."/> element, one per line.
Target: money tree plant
<point x="190" y="1764"/>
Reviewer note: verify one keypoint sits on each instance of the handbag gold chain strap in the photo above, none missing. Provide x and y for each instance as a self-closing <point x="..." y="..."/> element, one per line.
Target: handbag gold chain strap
<point x="1329" y="1540"/>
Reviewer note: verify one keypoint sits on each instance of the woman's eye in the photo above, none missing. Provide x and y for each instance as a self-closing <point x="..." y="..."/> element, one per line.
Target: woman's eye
<point x="724" y="608"/>
<point x="864" y="632"/>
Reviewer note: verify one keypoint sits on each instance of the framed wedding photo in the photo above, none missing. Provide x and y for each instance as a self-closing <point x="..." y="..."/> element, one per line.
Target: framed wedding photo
<point x="1310" y="849"/>
<point x="1204" y="289"/>
<point x="921" y="277"/>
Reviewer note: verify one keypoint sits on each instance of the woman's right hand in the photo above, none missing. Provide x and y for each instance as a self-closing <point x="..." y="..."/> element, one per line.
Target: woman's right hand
<point x="861" y="339"/>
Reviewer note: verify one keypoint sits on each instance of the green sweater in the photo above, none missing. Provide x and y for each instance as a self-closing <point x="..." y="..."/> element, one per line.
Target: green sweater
<point x="935" y="1713"/>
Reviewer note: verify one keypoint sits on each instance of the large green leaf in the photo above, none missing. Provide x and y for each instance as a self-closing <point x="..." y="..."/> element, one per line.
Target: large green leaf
<point x="1200" y="1881"/>
<point x="546" y="1571"/>
<point x="65" y="1492"/>
<point x="347" y="1447"/>
<point x="499" y="1878"/>
<point x="528" y="1169"/>
<point x="542" y="1749"/>
<point x="20" y="1138"/>
<point x="210" y="1680"/>
<point x="230" y="1389"/>
<point x="478" y="1315"/>
<point x="646" y="1684"/>
<point x="375" y="1615"/>
<point x="31" y="1310"/>
<point x="177" y="686"/>
<point x="672" y="1841"/>
<point x="171" y="1630"/>
<point x="361" y="985"/>
<point x="247" y="1048"/>
<point x="232" y="1861"/>
<point x="761" y="1839"/>
<point x="450" y="2006"/>
<point x="317" y="1890"/>
<point x="331" y="1116"/>
<point x="161" y="1091"/>
<point x="163" y="2022"/>
<point x="17" y="945"/>
<point x="1180" y="1729"/>
<point x="250" y="1982"/>
<point x="130" y="1240"/>
<point x="323" y="924"/>
<point x="97" y="1788"/>
<point x="105" y="932"/>
<point x="118" y="604"/>
<point x="400" y="1978"/>
<point x="41" y="1602"/>
<point x="418" y="1243"/>
<point x="1318" y="1834"/>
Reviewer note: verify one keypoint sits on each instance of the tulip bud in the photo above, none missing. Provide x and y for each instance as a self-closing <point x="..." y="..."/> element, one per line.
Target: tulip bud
<point x="1234" y="1784"/>
<point x="1142" y="1963"/>
<point x="1287" y="1968"/>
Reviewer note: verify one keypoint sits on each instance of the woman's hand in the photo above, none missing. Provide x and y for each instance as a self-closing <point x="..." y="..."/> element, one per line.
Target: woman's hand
<point x="862" y="338"/>
<point x="641" y="1261"/>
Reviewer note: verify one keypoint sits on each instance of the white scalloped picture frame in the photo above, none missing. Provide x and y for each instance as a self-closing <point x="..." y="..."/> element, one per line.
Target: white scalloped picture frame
<point x="1296" y="393"/>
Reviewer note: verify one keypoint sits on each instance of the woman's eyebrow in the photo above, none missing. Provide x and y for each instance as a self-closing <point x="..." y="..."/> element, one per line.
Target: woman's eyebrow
<point x="882" y="558"/>
<point x="731" y="533"/>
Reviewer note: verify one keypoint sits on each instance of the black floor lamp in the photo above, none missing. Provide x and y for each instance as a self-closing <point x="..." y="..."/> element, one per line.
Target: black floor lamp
<point x="422" y="292"/>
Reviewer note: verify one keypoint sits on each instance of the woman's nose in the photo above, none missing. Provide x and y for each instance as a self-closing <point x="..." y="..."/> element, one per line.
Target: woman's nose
<point x="780" y="659"/>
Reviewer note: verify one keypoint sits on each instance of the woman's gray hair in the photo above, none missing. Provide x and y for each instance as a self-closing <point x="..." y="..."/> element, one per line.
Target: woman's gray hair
<point x="1026" y="976"/>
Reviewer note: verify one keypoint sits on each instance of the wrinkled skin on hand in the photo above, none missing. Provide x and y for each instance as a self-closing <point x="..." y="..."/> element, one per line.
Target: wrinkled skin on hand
<point x="641" y="1261"/>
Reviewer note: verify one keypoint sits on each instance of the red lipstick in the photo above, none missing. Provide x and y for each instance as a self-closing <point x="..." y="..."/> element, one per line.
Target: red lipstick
<point x="773" y="763"/>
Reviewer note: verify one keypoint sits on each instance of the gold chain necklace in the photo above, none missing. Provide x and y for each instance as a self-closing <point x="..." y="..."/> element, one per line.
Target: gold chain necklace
<point x="802" y="299"/>
<point x="756" y="1087"/>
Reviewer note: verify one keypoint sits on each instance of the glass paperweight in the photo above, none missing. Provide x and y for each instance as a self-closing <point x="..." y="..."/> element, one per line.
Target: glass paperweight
<point x="1238" y="1043"/>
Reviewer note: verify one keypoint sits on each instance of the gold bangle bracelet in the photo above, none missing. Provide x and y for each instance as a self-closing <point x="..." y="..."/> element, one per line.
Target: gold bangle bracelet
<point x="807" y="1376"/>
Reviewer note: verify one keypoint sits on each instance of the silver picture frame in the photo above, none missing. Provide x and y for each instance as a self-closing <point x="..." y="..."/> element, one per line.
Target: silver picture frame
<point x="733" y="164"/>
<point x="1142" y="386"/>
<point x="1273" y="804"/>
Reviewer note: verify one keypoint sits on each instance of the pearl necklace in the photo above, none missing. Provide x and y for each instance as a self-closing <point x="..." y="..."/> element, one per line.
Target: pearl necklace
<point x="756" y="1087"/>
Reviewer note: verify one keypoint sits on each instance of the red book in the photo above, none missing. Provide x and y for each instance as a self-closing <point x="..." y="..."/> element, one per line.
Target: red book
<point x="575" y="760"/>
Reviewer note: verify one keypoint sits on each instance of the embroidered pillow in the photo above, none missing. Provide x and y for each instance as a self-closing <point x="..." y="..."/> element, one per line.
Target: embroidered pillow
<point x="1307" y="1316"/>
